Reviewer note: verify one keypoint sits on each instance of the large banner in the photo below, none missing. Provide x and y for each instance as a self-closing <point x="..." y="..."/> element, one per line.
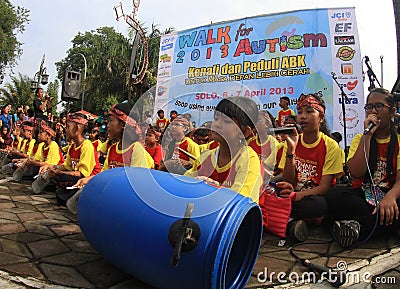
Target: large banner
<point x="264" y="58"/>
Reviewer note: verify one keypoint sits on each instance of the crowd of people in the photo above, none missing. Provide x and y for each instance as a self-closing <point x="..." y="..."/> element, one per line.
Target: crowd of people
<point x="235" y="150"/>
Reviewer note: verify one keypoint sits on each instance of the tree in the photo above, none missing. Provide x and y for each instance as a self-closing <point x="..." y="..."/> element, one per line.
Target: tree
<point x="18" y="92"/>
<point x="52" y="91"/>
<point x="108" y="54"/>
<point x="12" y="22"/>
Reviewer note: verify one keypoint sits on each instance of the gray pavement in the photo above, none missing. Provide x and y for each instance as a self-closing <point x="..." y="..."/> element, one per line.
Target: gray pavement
<point x="42" y="246"/>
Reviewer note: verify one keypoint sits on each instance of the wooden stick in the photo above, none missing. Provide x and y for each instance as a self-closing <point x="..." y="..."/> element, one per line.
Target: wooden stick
<point x="186" y="153"/>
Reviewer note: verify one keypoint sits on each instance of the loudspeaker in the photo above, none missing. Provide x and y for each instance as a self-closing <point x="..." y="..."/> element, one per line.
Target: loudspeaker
<point x="71" y="88"/>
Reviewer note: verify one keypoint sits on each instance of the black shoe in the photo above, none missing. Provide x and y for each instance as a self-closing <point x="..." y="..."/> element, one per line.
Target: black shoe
<point x="297" y="230"/>
<point x="346" y="233"/>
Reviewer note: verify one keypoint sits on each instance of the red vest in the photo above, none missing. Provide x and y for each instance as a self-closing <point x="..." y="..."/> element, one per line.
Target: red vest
<point x="262" y="151"/>
<point x="116" y="159"/>
<point x="227" y="178"/>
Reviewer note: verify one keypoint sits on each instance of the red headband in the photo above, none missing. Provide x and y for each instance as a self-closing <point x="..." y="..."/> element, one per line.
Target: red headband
<point x="125" y="118"/>
<point x="46" y="128"/>
<point x="27" y="127"/>
<point x="181" y="120"/>
<point x="310" y="100"/>
<point x="78" y="119"/>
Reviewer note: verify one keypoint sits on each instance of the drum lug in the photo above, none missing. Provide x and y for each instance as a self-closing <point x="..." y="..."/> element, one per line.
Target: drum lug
<point x="183" y="235"/>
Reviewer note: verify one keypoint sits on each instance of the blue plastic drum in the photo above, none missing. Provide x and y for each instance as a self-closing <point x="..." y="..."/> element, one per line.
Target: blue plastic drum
<point x="171" y="231"/>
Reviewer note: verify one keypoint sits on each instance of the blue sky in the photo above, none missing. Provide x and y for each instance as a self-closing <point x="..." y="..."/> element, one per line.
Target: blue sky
<point x="55" y="23"/>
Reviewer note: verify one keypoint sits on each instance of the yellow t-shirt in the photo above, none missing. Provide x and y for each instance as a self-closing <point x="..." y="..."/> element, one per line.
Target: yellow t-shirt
<point x="266" y="151"/>
<point x="139" y="158"/>
<point x="312" y="161"/>
<point x="28" y="151"/>
<point x="187" y="144"/>
<point x="39" y="153"/>
<point x="241" y="174"/>
<point x="53" y="153"/>
<point x="380" y="176"/>
<point x="81" y="158"/>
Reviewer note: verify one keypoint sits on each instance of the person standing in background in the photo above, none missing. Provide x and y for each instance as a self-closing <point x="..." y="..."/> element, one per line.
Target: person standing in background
<point x="39" y="104"/>
<point x="6" y="117"/>
<point x="285" y="111"/>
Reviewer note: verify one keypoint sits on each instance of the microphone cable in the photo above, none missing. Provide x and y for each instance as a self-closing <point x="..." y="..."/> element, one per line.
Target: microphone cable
<point x="374" y="194"/>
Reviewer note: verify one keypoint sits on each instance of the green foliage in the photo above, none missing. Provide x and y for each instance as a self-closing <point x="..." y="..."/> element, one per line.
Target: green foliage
<point x="18" y="92"/>
<point x="108" y="58"/>
<point x="107" y="54"/>
<point x="12" y="21"/>
<point x="52" y="91"/>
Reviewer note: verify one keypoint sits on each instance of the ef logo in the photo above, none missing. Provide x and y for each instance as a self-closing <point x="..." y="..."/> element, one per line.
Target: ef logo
<point x="343" y="27"/>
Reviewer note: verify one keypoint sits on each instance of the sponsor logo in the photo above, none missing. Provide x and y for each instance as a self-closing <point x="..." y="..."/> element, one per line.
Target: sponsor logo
<point x="161" y="90"/>
<point x="345" y="53"/>
<point x="165" y="58"/>
<point x="352" y="118"/>
<point x="167" y="46"/>
<point x="165" y="66"/>
<point x="341" y="15"/>
<point x="349" y="100"/>
<point x="164" y="74"/>
<point x="168" y="40"/>
<point x="347" y="68"/>
<point x="344" y="40"/>
<point x="352" y="85"/>
<point x="343" y="27"/>
<point x="352" y="94"/>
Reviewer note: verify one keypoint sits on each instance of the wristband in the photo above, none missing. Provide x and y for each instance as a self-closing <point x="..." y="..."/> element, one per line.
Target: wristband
<point x="290" y="156"/>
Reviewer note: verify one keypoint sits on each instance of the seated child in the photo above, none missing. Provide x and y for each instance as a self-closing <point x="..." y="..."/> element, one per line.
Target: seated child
<point x="232" y="164"/>
<point x="81" y="160"/>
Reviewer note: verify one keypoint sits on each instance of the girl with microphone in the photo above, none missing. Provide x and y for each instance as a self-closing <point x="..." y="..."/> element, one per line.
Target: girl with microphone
<point x="371" y="205"/>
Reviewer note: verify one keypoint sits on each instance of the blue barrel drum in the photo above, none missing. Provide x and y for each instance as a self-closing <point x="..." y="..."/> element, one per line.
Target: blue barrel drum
<point x="171" y="231"/>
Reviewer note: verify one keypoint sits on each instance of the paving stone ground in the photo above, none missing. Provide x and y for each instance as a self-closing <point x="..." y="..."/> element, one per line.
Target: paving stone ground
<point x="42" y="246"/>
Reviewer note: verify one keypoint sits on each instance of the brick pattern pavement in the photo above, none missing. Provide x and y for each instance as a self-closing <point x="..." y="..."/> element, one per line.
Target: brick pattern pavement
<point x="42" y="242"/>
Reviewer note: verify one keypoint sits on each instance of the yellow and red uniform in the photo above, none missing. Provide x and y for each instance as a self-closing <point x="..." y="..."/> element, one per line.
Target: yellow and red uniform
<point x="282" y="114"/>
<point x="156" y="153"/>
<point x="96" y="144"/>
<point x="16" y="144"/>
<point x="380" y="177"/>
<point x="50" y="154"/>
<point x="312" y="161"/>
<point x="241" y="174"/>
<point x="208" y="146"/>
<point x="28" y="147"/>
<point x="104" y="146"/>
<point x="83" y="159"/>
<point x="267" y="151"/>
<point x="186" y="144"/>
<point x="162" y="123"/>
<point x="135" y="156"/>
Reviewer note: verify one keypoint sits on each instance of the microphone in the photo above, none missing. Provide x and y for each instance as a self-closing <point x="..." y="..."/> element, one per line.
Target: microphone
<point x="285" y="129"/>
<point x="368" y="128"/>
